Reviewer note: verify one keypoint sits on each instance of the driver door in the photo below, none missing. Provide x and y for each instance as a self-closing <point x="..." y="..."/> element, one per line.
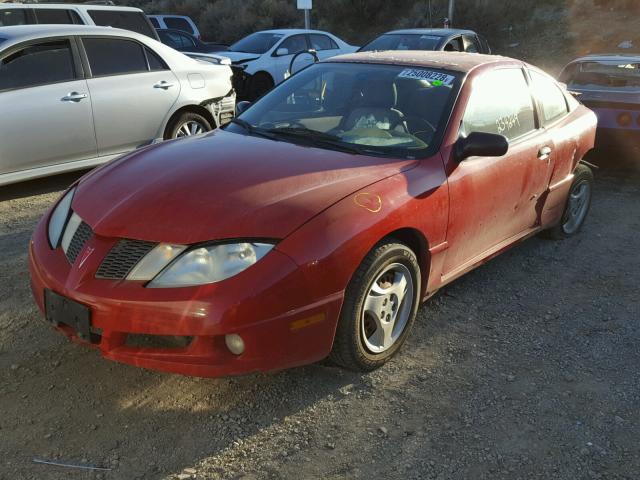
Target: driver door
<point x="495" y="200"/>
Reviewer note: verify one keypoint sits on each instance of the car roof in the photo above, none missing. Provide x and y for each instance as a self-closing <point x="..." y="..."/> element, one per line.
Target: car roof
<point x="604" y="57"/>
<point x="440" y="32"/>
<point x="32" y="32"/>
<point x="69" y="6"/>
<point x="455" y="61"/>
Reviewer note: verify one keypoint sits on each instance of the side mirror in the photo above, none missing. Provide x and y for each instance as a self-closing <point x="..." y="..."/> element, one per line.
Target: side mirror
<point x="242" y="106"/>
<point x="282" y="52"/>
<point x="480" y="144"/>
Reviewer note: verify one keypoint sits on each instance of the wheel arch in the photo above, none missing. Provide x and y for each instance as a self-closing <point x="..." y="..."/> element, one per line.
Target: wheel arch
<point x="264" y="73"/>
<point x="419" y="244"/>
<point x="198" y="109"/>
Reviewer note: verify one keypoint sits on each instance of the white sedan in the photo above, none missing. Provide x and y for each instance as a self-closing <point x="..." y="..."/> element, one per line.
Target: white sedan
<point x="91" y="94"/>
<point x="262" y="59"/>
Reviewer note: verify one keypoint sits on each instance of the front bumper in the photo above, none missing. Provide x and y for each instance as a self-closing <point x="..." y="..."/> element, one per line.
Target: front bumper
<point x="268" y="305"/>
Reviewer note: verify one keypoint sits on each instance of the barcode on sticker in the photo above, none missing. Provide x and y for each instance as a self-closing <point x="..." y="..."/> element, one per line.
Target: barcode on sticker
<point x="428" y="75"/>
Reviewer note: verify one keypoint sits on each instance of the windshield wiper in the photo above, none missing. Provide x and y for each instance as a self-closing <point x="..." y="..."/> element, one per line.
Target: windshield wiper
<point x="316" y="138"/>
<point x="251" y="130"/>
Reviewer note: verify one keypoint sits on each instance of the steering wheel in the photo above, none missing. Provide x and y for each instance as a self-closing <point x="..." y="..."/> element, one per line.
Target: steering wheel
<point x="431" y="129"/>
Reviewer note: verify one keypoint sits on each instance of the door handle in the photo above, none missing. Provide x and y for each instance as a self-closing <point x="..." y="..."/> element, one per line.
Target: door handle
<point x="163" y="85"/>
<point x="544" y="153"/>
<point x="74" y="97"/>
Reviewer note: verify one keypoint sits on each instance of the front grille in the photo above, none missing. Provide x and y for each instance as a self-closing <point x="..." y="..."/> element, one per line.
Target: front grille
<point x="82" y="235"/>
<point x="122" y="258"/>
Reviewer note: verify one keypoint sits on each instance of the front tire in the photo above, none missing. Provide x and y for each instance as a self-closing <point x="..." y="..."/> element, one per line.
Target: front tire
<point x="186" y="125"/>
<point x="577" y="206"/>
<point x="261" y="83"/>
<point x="380" y="306"/>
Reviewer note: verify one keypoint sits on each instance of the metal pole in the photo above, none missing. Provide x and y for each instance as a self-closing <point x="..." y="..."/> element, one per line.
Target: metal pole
<point x="452" y="4"/>
<point x="307" y="19"/>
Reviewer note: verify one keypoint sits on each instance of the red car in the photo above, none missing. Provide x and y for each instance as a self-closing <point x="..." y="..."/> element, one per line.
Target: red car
<point x="315" y="223"/>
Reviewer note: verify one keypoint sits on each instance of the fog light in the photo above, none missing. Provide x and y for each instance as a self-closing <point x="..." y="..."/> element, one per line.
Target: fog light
<point x="235" y="344"/>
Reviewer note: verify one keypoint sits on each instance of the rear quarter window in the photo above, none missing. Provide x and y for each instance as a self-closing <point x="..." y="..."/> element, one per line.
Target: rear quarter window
<point x="133" y="21"/>
<point x="551" y="98"/>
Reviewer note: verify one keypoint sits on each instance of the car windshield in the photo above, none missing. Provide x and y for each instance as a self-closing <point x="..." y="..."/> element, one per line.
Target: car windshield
<point x="256" y="43"/>
<point x="396" y="41"/>
<point x="385" y="110"/>
<point x="610" y="74"/>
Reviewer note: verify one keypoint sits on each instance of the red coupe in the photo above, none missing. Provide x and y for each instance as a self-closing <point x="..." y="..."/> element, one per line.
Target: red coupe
<point x="315" y="223"/>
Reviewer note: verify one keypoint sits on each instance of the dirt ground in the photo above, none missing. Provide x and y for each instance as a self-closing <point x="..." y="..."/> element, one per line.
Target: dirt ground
<point x="528" y="367"/>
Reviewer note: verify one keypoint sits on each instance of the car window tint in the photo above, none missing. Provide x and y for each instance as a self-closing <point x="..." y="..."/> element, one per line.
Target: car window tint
<point x="500" y="103"/>
<point x="53" y="16"/>
<point x="133" y="21"/>
<point x="322" y="42"/>
<point x="154" y="22"/>
<point x="40" y="64"/>
<point x="178" y="24"/>
<point x="549" y="95"/>
<point x="454" y="45"/>
<point x="113" y="56"/>
<point x="395" y="41"/>
<point x="256" y="43"/>
<point x="13" y="16"/>
<point x="172" y="39"/>
<point x="155" y="62"/>
<point x="294" y="44"/>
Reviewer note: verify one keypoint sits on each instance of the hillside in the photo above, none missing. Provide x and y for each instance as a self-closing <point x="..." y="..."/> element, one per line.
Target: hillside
<point x="545" y="32"/>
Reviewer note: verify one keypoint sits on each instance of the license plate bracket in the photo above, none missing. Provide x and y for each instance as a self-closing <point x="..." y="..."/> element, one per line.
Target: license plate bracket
<point x="60" y="310"/>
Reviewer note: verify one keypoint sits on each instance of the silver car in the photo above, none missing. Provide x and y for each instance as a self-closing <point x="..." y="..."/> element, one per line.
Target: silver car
<point x="72" y="97"/>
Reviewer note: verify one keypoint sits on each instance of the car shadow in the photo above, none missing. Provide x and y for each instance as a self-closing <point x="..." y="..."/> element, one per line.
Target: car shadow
<point x="39" y="186"/>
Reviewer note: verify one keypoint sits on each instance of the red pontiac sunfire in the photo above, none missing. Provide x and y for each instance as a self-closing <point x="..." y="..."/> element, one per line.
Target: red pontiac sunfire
<point x="315" y="223"/>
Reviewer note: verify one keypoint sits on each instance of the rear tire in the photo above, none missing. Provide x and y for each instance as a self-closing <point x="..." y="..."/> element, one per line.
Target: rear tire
<point x="379" y="308"/>
<point x="577" y="206"/>
<point x="187" y="124"/>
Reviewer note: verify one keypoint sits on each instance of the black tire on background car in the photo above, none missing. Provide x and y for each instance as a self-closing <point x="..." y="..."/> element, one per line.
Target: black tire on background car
<point x="577" y="206"/>
<point x="379" y="308"/>
<point x="186" y="125"/>
<point x="261" y="83"/>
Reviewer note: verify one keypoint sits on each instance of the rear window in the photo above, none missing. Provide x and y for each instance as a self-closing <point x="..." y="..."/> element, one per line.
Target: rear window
<point x="53" y="16"/>
<point x="154" y="22"/>
<point x="13" y="16"/>
<point x="109" y="56"/>
<point x="178" y="23"/>
<point x="610" y="74"/>
<point x="396" y="41"/>
<point x="133" y="21"/>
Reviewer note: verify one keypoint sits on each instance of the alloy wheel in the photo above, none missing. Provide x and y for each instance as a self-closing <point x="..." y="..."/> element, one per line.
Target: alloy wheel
<point x="387" y="308"/>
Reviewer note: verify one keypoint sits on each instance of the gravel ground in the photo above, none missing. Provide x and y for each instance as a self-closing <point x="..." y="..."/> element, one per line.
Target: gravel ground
<point x="526" y="368"/>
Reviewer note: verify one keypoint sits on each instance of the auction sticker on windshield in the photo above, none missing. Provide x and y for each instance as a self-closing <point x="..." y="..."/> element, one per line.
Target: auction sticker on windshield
<point x="429" y="75"/>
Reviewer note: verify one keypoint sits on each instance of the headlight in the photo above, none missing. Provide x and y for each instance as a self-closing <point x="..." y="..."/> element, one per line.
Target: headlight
<point x="58" y="218"/>
<point x="210" y="264"/>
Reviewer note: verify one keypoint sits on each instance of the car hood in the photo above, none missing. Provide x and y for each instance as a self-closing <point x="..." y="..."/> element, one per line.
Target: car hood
<point x="219" y="186"/>
<point x="240" y="57"/>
